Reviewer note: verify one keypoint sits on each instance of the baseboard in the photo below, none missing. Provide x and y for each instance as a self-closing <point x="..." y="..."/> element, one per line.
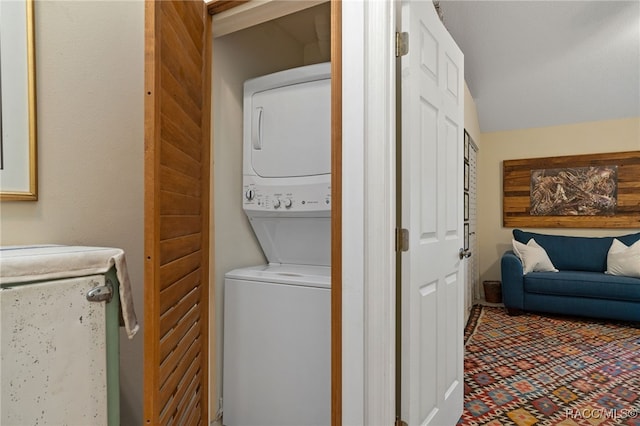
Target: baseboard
<point x="485" y="303"/>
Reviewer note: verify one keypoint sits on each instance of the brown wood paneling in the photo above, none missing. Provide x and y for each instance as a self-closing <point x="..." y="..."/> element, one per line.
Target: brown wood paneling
<point x="171" y="414"/>
<point x="170" y="319"/>
<point x="218" y="6"/>
<point x="182" y="71"/>
<point x="193" y="21"/>
<point x="176" y="270"/>
<point x="173" y="112"/>
<point x="336" y="212"/>
<point x="189" y="37"/>
<point x="174" y="181"/>
<point x="178" y="372"/>
<point x="189" y="355"/>
<point x="189" y="399"/>
<point x="516" y="182"/>
<point x="172" y="294"/>
<point x="178" y="204"/>
<point x="177" y="248"/>
<point x="172" y="87"/>
<point x="170" y="363"/>
<point x="177" y="158"/>
<point x="175" y="226"/>
<point x="192" y="420"/>
<point x="173" y="134"/>
<point x="169" y="342"/>
<point x="177" y="144"/>
<point x="179" y="45"/>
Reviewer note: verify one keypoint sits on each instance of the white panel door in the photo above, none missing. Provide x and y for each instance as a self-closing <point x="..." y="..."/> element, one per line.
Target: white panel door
<point x="432" y="282"/>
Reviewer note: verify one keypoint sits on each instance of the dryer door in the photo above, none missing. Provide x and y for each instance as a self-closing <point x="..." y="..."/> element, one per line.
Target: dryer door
<point x="291" y="130"/>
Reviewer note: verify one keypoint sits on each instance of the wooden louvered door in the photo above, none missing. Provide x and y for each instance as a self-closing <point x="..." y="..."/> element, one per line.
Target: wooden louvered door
<point x="177" y="146"/>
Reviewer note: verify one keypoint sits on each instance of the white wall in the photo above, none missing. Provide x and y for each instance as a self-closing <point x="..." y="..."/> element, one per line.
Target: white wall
<point x="471" y="121"/>
<point x="573" y="139"/>
<point x="256" y="51"/>
<point x="89" y="76"/>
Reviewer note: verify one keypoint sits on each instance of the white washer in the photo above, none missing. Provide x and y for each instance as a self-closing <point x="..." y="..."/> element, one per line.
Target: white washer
<point x="277" y="343"/>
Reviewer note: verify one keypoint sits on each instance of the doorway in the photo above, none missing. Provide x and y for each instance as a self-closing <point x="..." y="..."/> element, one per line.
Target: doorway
<point x="284" y="42"/>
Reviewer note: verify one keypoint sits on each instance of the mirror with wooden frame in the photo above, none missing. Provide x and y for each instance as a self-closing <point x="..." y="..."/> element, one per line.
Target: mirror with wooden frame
<point x="18" y="162"/>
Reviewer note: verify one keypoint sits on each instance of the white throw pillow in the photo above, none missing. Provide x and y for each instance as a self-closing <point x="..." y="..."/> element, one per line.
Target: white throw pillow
<point x="534" y="258"/>
<point x="623" y="260"/>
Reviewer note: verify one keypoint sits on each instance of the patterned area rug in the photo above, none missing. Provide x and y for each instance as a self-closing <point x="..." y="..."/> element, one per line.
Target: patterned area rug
<point x="547" y="370"/>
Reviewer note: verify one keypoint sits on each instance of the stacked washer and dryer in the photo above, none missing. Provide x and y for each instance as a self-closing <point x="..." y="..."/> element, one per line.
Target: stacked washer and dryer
<point x="277" y="316"/>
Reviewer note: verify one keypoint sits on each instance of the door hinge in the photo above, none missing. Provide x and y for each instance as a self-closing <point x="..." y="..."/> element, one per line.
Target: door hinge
<point x="402" y="44"/>
<point x="402" y="239"/>
<point x="400" y="423"/>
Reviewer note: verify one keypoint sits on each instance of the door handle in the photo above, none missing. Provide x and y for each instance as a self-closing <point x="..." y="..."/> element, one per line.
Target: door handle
<point x="464" y="253"/>
<point x="256" y="129"/>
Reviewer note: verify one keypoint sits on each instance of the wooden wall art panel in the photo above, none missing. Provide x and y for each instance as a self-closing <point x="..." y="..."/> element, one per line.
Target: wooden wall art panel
<point x="517" y="190"/>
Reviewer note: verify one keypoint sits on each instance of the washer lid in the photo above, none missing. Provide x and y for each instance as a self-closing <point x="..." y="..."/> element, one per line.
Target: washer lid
<point x="304" y="275"/>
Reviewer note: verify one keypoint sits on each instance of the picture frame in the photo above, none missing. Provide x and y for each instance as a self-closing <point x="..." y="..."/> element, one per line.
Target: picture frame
<point x="18" y="144"/>
<point x="466" y="236"/>
<point x="466" y="176"/>
<point x="467" y="139"/>
<point x="466" y="206"/>
<point x="517" y="190"/>
<point x="571" y="191"/>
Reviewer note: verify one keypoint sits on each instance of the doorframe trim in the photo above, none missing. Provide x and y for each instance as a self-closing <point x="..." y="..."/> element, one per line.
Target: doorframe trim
<point x="380" y="212"/>
<point x="369" y="212"/>
<point x="336" y="213"/>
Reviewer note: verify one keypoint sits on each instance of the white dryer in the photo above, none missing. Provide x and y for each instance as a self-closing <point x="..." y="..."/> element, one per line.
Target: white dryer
<point x="276" y="361"/>
<point x="287" y="164"/>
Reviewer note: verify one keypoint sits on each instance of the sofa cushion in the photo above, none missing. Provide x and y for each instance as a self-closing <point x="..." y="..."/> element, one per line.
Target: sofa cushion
<point x="623" y="260"/>
<point x="533" y="257"/>
<point x="575" y="253"/>
<point x="583" y="284"/>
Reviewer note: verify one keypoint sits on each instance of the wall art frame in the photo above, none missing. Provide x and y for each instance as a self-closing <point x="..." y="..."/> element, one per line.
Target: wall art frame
<point x="517" y="191"/>
<point x="466" y="206"/>
<point x="466" y="237"/>
<point x="467" y="138"/>
<point x="18" y="136"/>
<point x="466" y="176"/>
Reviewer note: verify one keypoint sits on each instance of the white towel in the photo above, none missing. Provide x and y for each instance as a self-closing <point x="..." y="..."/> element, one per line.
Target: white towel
<point x="20" y="264"/>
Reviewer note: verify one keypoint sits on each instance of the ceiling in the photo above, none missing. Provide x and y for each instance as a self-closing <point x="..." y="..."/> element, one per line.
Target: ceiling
<point x="545" y="63"/>
<point x="308" y="25"/>
<point x="530" y="63"/>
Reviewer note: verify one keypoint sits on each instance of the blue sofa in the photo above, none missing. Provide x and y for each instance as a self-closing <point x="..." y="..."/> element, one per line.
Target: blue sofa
<point x="580" y="287"/>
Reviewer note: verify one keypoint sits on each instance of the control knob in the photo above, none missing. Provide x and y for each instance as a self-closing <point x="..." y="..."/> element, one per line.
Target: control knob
<point x="276" y="203"/>
<point x="288" y="203"/>
<point x="249" y="194"/>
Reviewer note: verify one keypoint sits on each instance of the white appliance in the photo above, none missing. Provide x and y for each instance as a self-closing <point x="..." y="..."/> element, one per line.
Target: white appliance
<point x="277" y="338"/>
<point x="277" y="316"/>
<point x="287" y="163"/>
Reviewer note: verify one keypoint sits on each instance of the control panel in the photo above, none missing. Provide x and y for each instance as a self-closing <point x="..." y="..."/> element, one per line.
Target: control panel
<point x="287" y="198"/>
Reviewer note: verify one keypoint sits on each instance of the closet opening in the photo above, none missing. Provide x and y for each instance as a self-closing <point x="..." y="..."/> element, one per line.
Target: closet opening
<point x="291" y="40"/>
